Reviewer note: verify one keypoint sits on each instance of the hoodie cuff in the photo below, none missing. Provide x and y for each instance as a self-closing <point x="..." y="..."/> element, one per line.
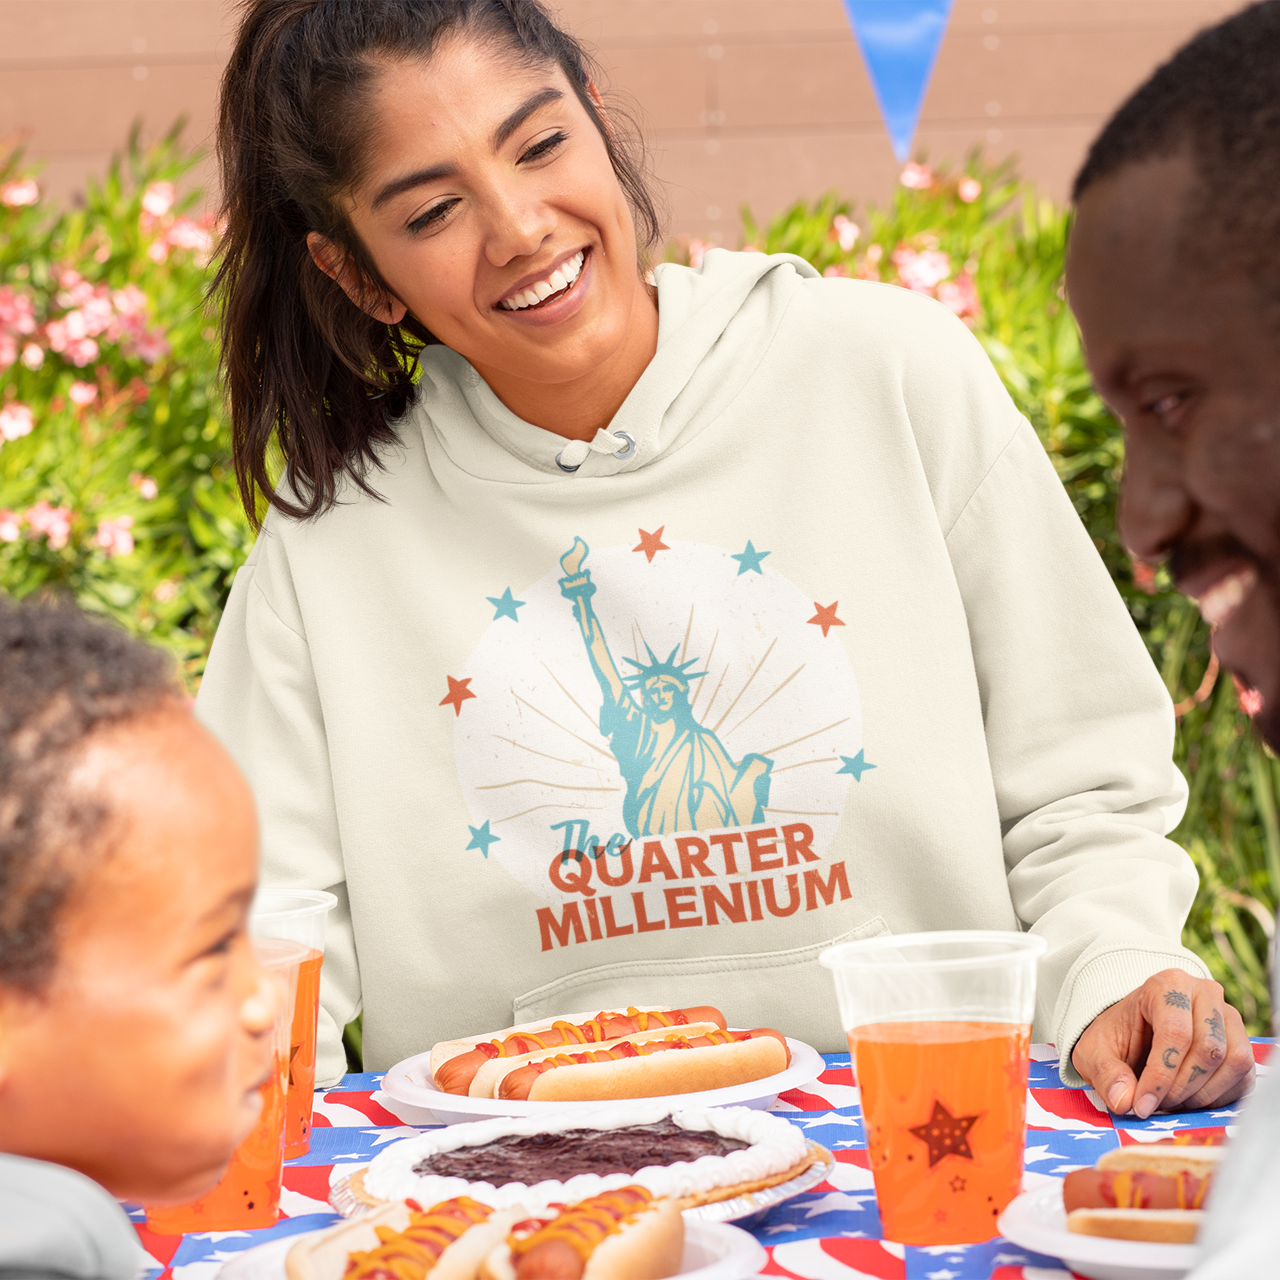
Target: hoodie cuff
<point x="1101" y="981"/>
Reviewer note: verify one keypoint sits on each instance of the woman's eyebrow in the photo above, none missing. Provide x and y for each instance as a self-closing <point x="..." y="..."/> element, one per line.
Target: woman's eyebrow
<point x="522" y="113"/>
<point x="420" y="177"/>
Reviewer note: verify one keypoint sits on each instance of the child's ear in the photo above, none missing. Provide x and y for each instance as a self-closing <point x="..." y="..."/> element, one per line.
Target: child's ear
<point x="335" y="263"/>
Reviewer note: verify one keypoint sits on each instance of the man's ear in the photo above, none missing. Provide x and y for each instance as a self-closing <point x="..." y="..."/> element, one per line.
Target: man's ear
<point x="334" y="262"/>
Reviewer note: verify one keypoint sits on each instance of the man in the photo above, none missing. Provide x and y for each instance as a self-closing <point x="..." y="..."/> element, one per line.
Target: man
<point x="1174" y="275"/>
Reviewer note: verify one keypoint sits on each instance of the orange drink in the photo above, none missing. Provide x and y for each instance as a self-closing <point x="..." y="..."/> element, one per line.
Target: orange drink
<point x="939" y="1028"/>
<point x="299" y="915"/>
<point x="302" y="1058"/>
<point x="249" y="1193"/>
<point x="945" y="1108"/>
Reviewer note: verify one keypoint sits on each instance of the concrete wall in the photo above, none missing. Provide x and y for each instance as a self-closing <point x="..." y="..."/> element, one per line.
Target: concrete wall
<point x="756" y="101"/>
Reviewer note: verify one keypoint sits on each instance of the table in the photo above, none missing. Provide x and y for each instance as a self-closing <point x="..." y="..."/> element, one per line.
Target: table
<point x="829" y="1233"/>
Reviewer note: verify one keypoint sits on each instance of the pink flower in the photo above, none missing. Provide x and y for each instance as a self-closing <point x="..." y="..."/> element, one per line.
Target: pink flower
<point x="960" y="296"/>
<point x="10" y="525"/>
<point x="15" y="421"/>
<point x="151" y="345"/>
<point x="920" y="272"/>
<point x="1250" y="699"/>
<point x="697" y="252"/>
<point x="145" y="485"/>
<point x="836" y="269"/>
<point x="166" y="590"/>
<point x="19" y="192"/>
<point x="113" y="536"/>
<point x="17" y="311"/>
<point x="129" y="301"/>
<point x="8" y="349"/>
<point x="32" y="355"/>
<point x="847" y="232"/>
<point x="916" y="177"/>
<point x="83" y="393"/>
<point x="186" y="234"/>
<point x="158" y="199"/>
<point x="54" y="523"/>
<point x="969" y="190"/>
<point x="1144" y="576"/>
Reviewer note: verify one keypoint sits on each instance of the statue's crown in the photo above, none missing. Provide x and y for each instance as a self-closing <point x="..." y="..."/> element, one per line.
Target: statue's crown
<point x="676" y="670"/>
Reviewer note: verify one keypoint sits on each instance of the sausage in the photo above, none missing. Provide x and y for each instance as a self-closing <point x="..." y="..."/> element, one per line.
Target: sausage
<point x="1103" y="1189"/>
<point x="455" y="1074"/>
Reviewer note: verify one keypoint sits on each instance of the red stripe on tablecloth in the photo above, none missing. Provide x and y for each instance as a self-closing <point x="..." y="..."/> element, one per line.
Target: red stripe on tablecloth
<point x="1070" y="1104"/>
<point x="1211" y="1137"/>
<point x="867" y="1257"/>
<point x="838" y="1075"/>
<point x="853" y="1155"/>
<point x="1261" y="1052"/>
<point x="309" y="1180"/>
<point x="805" y="1101"/>
<point x="362" y="1100"/>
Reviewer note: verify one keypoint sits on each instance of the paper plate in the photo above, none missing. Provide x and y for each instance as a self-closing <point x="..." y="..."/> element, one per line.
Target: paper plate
<point x="409" y="1093"/>
<point x="712" y="1251"/>
<point x="1036" y="1220"/>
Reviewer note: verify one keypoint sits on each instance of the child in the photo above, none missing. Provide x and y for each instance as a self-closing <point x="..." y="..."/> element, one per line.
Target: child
<point x="134" y="1018"/>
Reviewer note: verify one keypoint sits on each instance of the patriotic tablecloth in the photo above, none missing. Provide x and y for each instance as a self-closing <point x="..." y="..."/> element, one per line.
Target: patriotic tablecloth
<point x="829" y="1233"/>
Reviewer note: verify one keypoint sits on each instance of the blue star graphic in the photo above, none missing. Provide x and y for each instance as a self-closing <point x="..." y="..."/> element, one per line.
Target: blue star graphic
<point x="750" y="559"/>
<point x="504" y="606"/>
<point x="855" y="765"/>
<point x="482" y="837"/>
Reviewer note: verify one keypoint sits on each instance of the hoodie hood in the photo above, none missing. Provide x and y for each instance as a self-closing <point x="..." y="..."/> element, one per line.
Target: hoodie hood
<point x="714" y="326"/>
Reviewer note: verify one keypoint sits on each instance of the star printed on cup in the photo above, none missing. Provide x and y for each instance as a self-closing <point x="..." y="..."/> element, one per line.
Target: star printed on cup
<point x="945" y="1134"/>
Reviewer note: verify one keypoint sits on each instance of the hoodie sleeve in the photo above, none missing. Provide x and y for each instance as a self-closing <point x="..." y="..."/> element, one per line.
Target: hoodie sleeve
<point x="1080" y="734"/>
<point x="259" y="697"/>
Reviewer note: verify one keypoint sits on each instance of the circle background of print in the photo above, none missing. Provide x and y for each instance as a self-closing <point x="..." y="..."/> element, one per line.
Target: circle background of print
<point x="939" y="1035"/>
<point x="301" y="916"/>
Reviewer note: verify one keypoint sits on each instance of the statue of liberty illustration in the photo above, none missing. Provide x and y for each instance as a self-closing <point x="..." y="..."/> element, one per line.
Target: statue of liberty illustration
<point x="679" y="775"/>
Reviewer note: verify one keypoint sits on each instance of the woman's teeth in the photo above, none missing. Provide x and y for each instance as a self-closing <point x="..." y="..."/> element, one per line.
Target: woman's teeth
<point x="558" y="281"/>
<point x="1226" y="595"/>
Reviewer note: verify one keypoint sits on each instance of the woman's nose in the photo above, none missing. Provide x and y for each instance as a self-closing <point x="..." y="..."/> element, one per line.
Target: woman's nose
<point x="519" y="224"/>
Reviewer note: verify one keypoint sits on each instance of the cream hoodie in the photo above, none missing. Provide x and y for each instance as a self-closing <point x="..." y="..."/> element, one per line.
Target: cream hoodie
<point x="826" y="654"/>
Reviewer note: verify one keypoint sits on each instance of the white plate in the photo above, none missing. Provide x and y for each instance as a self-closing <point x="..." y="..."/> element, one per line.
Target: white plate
<point x="1036" y="1220"/>
<point x="415" y="1099"/>
<point x="712" y="1251"/>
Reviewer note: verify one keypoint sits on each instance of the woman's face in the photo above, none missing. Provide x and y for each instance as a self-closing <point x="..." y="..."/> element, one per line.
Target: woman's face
<point x="492" y="211"/>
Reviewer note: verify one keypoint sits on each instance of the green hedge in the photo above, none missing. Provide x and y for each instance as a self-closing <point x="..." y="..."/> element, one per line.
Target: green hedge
<point x="115" y="486"/>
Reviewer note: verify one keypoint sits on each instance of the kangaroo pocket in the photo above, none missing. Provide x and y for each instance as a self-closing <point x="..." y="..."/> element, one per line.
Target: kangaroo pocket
<point x="787" y="990"/>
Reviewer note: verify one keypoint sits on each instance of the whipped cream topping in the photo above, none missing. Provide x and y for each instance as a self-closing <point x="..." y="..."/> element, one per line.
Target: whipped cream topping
<point x="776" y="1145"/>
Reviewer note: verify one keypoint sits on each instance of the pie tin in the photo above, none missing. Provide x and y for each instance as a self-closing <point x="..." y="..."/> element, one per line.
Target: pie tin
<point x="749" y="1207"/>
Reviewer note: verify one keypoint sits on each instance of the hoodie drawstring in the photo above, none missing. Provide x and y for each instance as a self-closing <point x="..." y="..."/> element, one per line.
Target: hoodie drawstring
<point x="620" y="444"/>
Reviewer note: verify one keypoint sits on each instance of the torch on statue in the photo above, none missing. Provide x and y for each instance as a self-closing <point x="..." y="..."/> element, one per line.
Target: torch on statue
<point x="679" y="775"/>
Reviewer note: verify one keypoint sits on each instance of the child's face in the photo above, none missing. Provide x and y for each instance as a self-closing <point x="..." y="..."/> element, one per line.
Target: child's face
<point x="139" y="1063"/>
<point x="487" y="176"/>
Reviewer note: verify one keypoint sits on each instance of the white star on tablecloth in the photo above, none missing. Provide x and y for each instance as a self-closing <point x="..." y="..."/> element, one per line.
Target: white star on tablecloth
<point x="838" y="1200"/>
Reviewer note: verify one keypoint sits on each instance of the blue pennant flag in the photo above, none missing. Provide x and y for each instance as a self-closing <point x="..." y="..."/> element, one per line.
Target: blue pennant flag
<point x="899" y="40"/>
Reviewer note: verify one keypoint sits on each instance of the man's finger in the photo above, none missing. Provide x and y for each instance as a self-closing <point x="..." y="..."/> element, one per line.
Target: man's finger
<point x="1234" y="1075"/>
<point x="1115" y="1083"/>
<point x="1169" y="1008"/>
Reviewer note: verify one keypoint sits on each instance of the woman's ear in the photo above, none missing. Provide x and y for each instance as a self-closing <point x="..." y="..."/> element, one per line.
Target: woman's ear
<point x="600" y="107"/>
<point x="334" y="262"/>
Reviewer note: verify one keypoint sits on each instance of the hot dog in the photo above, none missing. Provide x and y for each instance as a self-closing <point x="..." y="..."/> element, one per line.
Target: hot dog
<point x="648" y="1066"/>
<point x="623" y="1233"/>
<point x="405" y="1242"/>
<point x="1142" y="1192"/>
<point x="454" y="1063"/>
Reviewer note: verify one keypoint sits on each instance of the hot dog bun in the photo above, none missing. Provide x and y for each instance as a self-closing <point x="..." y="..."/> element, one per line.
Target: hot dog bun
<point x="660" y="1073"/>
<point x="327" y="1255"/>
<point x="485" y="1082"/>
<point x="1142" y="1192"/>
<point x="621" y="1235"/>
<point x="454" y="1062"/>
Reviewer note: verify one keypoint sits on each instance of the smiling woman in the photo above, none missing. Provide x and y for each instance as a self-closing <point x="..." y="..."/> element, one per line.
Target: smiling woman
<point x="423" y="186"/>
<point x="686" y="626"/>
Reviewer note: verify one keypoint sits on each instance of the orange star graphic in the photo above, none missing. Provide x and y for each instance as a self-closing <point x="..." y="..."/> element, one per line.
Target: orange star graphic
<point x="652" y="543"/>
<point x="458" y="694"/>
<point x="826" y="616"/>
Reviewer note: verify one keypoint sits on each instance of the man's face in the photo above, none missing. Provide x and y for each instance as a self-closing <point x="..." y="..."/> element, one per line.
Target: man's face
<point x="1185" y="357"/>
<point x="139" y="1063"/>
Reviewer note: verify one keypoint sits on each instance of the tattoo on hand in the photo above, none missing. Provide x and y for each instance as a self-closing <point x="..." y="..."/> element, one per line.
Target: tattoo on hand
<point x="1167" y="1055"/>
<point x="1177" y="1000"/>
<point x="1196" y="1073"/>
<point x="1216" y="1030"/>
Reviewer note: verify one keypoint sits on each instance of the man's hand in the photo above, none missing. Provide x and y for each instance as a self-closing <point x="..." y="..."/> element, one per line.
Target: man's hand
<point x="1187" y="1042"/>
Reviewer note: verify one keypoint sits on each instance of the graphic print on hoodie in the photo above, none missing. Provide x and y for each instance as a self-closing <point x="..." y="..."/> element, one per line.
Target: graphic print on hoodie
<point x="659" y="735"/>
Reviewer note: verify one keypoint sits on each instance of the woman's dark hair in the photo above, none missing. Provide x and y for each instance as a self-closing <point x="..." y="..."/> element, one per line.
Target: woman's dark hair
<point x="63" y="675"/>
<point x="304" y="364"/>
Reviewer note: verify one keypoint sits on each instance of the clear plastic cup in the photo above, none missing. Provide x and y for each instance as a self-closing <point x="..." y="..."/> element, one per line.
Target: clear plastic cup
<point x="939" y="1028"/>
<point x="249" y="1194"/>
<point x="299" y="915"/>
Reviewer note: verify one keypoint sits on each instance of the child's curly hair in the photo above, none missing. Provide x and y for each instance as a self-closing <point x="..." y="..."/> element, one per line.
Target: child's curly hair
<point x="63" y="675"/>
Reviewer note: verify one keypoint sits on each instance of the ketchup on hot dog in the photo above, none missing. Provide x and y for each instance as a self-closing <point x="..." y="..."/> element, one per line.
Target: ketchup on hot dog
<point x="1099" y="1189"/>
